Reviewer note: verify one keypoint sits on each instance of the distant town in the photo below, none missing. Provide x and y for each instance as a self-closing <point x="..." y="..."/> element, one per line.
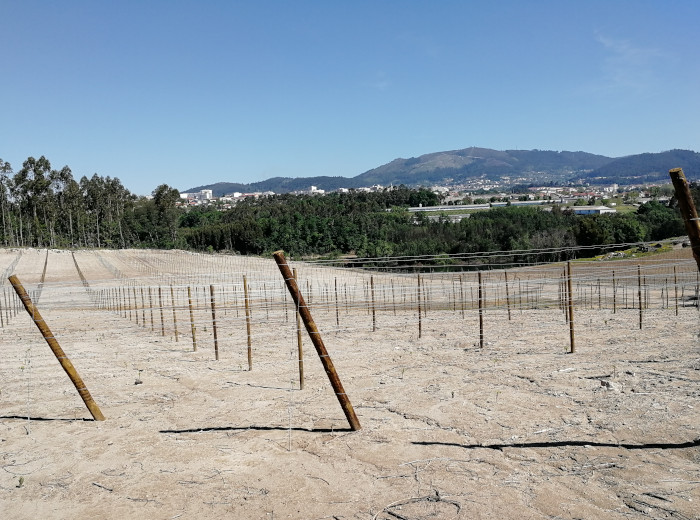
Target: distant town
<point x="481" y="194"/>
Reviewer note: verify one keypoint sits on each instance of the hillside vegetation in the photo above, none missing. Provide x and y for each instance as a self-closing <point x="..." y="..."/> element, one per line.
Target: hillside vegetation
<point x="44" y="207"/>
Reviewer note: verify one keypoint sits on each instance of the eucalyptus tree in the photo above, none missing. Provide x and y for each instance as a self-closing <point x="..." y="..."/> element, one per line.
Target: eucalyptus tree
<point x="5" y="182"/>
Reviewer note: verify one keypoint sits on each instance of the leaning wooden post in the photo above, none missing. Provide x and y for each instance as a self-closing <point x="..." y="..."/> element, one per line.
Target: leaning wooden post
<point x="639" y="294"/>
<point x="688" y="210"/>
<point x="192" y="328"/>
<point x="247" y="323"/>
<point x="300" y="347"/>
<point x="57" y="350"/>
<point x="570" y="295"/>
<point x="315" y="336"/>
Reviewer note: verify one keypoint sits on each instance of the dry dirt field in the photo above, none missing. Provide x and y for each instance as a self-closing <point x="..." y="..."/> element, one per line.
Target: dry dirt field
<point x="518" y="428"/>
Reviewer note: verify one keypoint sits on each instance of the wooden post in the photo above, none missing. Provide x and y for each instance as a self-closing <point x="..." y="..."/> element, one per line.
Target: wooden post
<point x="160" y="304"/>
<point x="420" y="324"/>
<point x="337" y="310"/>
<point x="247" y="323"/>
<point x="507" y="294"/>
<point x="639" y="293"/>
<point x="688" y="210"/>
<point x="614" y="293"/>
<point x="374" y="312"/>
<point x="675" y="287"/>
<point x="172" y="301"/>
<point x="136" y="305"/>
<point x="570" y="295"/>
<point x="57" y="350"/>
<point x="213" y="321"/>
<point x="192" y="328"/>
<point x="481" y="311"/>
<point x="315" y="336"/>
<point x="150" y="305"/>
<point x="300" y="348"/>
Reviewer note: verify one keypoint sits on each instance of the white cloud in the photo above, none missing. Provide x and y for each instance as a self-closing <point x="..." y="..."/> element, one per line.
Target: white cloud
<point x="630" y="67"/>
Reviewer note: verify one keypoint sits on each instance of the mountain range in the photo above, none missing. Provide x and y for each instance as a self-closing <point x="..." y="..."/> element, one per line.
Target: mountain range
<point x="509" y="167"/>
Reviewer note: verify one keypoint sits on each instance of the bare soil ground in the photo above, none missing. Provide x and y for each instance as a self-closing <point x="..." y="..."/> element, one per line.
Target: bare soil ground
<point x="517" y="429"/>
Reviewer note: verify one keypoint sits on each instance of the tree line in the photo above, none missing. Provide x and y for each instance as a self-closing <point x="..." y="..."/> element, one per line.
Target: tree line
<point x="45" y="207"/>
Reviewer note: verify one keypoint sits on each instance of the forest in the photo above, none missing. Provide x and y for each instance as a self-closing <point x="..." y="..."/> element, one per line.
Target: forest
<point x="45" y="207"/>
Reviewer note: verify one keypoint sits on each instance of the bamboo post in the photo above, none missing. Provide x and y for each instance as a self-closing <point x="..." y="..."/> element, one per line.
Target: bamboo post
<point x="192" y="327"/>
<point x="57" y="350"/>
<point x="688" y="210"/>
<point x="300" y="348"/>
<point x="570" y="295"/>
<point x="213" y="321"/>
<point x="247" y="323"/>
<point x="639" y="294"/>
<point x="172" y="300"/>
<point x="315" y="336"/>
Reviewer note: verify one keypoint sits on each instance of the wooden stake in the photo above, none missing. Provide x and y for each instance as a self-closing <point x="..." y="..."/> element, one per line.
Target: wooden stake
<point x="57" y="350"/>
<point x="507" y="294"/>
<point x="675" y="287"/>
<point x="247" y="323"/>
<point x="160" y="304"/>
<point x="639" y="294"/>
<point x="300" y="349"/>
<point x="213" y="321"/>
<point x="374" y="312"/>
<point x="481" y="311"/>
<point x="420" y="324"/>
<point x="315" y="336"/>
<point x="172" y="300"/>
<point x="337" y="309"/>
<point x="570" y="295"/>
<point x="192" y="328"/>
<point x="150" y="304"/>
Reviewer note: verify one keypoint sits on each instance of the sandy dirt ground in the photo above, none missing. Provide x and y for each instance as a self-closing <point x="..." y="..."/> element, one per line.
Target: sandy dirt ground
<point x="518" y="428"/>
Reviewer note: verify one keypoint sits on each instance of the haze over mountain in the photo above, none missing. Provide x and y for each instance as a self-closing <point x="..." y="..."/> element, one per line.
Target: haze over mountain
<point x="457" y="167"/>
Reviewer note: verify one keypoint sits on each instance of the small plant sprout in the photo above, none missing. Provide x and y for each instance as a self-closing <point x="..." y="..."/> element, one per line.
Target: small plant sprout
<point x="21" y="482"/>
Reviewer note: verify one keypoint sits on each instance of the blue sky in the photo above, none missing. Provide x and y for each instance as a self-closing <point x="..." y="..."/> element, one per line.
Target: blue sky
<point x="195" y="92"/>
